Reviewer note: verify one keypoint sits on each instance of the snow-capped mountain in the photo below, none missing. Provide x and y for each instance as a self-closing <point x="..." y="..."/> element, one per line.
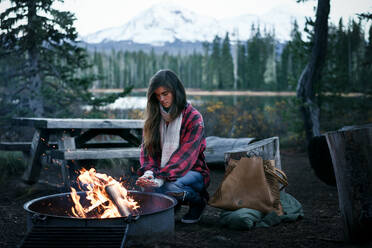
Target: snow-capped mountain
<point x="167" y="23"/>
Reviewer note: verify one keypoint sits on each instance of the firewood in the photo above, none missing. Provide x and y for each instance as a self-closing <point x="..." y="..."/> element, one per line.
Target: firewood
<point x="113" y="191"/>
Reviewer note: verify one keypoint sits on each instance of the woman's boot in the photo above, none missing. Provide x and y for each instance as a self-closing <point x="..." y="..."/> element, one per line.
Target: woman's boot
<point x="196" y="206"/>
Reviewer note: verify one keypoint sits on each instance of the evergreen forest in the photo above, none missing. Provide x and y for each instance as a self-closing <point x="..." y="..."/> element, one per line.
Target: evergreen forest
<point x="263" y="63"/>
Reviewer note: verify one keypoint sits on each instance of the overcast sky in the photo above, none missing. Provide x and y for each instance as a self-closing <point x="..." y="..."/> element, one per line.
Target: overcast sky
<point x="93" y="15"/>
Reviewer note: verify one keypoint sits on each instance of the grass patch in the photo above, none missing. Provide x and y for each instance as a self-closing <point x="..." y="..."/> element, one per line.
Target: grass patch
<point x="11" y="164"/>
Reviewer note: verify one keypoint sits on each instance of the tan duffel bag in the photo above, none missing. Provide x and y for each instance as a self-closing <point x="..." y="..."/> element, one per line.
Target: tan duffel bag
<point x="250" y="183"/>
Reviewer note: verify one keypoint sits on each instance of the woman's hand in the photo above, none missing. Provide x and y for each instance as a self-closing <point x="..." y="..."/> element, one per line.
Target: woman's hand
<point x="145" y="182"/>
<point x="148" y="180"/>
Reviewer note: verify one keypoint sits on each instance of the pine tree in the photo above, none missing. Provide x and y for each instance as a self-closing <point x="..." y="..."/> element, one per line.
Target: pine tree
<point x="367" y="64"/>
<point x="241" y="61"/>
<point x="98" y="61"/>
<point x="298" y="56"/>
<point x="48" y="72"/>
<point x="48" y="59"/>
<point x="226" y="65"/>
<point x="283" y="69"/>
<point x="206" y="65"/>
<point x="256" y="60"/>
<point x="251" y="60"/>
<point x="335" y="77"/>
<point x="269" y="76"/>
<point x="356" y="39"/>
<point x="368" y="54"/>
<point x="216" y="62"/>
<point x="153" y="61"/>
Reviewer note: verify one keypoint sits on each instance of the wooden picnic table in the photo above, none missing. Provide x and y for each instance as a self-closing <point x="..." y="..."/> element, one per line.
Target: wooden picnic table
<point x="74" y="140"/>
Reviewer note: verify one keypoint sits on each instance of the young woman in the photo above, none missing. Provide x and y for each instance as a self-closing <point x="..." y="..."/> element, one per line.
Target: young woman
<point x="172" y="159"/>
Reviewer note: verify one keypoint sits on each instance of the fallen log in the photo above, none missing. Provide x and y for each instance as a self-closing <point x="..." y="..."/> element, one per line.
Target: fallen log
<point x="218" y="146"/>
<point x="351" y="152"/>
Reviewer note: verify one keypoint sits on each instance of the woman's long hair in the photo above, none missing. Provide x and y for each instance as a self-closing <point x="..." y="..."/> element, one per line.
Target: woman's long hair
<point x="169" y="80"/>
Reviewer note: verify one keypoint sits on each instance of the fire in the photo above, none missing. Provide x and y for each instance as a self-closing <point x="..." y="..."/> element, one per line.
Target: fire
<point x="101" y="205"/>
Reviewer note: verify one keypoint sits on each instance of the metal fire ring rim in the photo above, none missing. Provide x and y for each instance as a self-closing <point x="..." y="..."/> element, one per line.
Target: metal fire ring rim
<point x="27" y="204"/>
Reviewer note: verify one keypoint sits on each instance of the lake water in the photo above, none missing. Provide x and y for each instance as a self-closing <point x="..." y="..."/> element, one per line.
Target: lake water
<point x="258" y="116"/>
<point x="138" y="101"/>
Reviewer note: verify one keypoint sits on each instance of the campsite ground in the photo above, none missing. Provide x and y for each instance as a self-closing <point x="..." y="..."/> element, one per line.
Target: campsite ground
<point x="320" y="227"/>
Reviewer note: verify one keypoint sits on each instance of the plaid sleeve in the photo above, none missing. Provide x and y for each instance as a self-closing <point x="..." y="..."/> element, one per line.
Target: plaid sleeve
<point x="147" y="162"/>
<point x="186" y="155"/>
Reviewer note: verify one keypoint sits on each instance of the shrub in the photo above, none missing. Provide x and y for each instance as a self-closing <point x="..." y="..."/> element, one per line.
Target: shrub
<point x="12" y="164"/>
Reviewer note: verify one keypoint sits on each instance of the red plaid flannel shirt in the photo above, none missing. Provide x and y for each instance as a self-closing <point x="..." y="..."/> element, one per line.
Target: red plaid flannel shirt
<point x="188" y="156"/>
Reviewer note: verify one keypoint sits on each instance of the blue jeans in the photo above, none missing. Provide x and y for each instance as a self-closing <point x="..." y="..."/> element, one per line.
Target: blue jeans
<point x="192" y="182"/>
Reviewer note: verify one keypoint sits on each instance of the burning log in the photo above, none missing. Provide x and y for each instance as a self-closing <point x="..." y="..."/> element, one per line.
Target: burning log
<point x="114" y="191"/>
<point x="105" y="197"/>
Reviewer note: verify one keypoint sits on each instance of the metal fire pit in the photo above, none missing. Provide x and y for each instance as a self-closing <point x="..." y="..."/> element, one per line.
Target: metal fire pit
<point x="156" y="214"/>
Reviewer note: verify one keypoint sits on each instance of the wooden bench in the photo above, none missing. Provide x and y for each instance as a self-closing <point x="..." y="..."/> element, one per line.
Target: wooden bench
<point x="95" y="153"/>
<point x="214" y="153"/>
<point x="15" y="146"/>
<point x="88" y="151"/>
<point x="26" y="146"/>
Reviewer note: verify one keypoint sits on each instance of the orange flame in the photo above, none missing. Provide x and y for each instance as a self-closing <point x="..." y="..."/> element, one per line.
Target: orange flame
<point x="100" y="206"/>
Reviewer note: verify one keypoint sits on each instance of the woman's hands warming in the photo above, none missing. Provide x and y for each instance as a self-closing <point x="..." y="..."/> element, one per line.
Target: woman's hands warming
<point x="148" y="180"/>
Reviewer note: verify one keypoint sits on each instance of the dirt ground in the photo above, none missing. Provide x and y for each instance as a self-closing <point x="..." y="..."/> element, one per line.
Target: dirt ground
<point x="320" y="227"/>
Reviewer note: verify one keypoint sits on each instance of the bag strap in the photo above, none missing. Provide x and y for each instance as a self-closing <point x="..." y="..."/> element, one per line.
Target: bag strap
<point x="281" y="179"/>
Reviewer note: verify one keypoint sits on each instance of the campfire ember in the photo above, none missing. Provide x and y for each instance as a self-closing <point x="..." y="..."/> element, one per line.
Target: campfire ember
<point x="107" y="197"/>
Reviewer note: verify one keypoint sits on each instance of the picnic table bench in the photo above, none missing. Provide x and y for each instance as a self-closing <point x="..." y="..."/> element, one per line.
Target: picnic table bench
<point x="15" y="146"/>
<point x="74" y="140"/>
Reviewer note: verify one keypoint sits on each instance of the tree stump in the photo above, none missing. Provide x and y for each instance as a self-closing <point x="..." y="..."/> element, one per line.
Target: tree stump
<point x="351" y="152"/>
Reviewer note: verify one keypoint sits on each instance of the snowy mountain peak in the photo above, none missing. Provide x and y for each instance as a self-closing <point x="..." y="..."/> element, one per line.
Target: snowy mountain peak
<point x="170" y="11"/>
<point x="159" y="24"/>
<point x="168" y="22"/>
